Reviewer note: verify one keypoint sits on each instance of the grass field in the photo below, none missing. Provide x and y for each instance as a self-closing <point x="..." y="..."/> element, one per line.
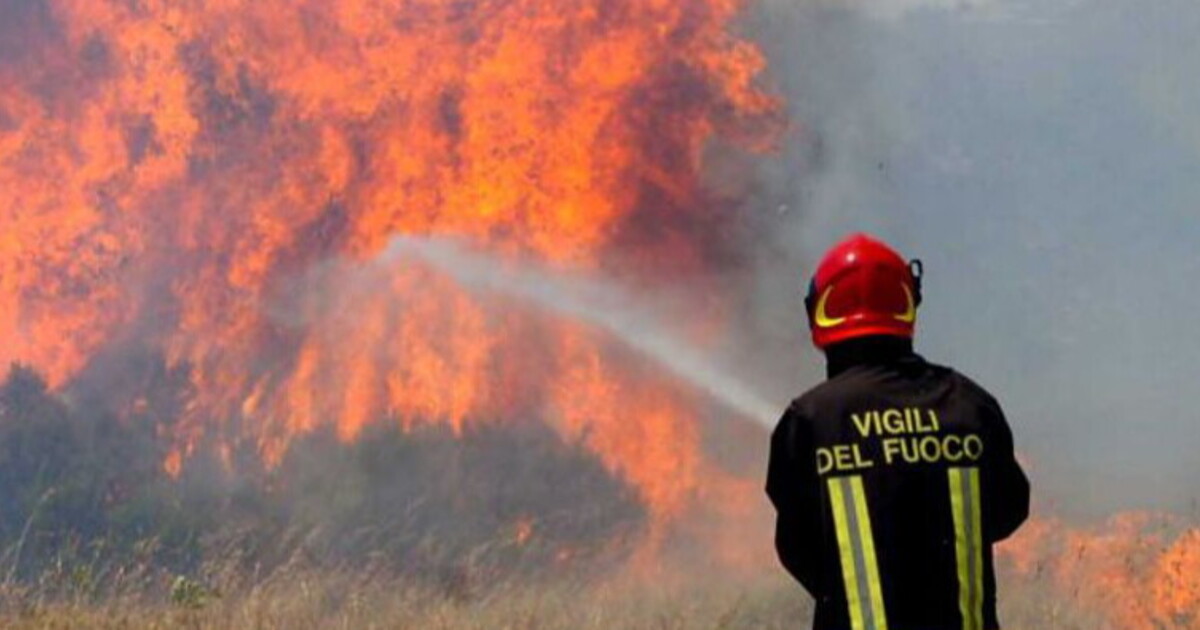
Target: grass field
<point x="333" y="601"/>
<point x="302" y="600"/>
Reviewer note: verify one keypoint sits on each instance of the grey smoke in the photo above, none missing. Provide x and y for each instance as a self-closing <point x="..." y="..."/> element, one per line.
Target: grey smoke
<point x="1042" y="158"/>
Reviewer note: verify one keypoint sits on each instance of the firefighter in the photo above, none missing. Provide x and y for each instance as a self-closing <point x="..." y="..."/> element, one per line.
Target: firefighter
<point x="893" y="478"/>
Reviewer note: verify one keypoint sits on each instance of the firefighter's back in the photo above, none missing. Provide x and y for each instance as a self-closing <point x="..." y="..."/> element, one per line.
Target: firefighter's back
<point x="892" y="479"/>
<point x="901" y="458"/>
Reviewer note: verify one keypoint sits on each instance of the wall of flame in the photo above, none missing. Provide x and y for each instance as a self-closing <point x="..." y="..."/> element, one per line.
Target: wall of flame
<point x="181" y="176"/>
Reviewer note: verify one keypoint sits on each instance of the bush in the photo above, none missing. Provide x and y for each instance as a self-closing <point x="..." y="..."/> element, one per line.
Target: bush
<point x="84" y="493"/>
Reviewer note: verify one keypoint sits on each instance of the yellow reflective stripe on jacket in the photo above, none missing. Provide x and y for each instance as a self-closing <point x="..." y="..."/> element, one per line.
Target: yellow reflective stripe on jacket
<point x="868" y="542"/>
<point x="968" y="544"/>
<point x="856" y="549"/>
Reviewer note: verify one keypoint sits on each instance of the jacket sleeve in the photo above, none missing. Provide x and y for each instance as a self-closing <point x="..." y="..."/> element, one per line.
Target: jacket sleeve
<point x="1006" y="503"/>
<point x="792" y="487"/>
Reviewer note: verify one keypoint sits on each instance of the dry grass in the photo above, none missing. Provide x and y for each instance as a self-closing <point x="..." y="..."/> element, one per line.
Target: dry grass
<point x="302" y="600"/>
<point x="305" y="601"/>
<point x="298" y="598"/>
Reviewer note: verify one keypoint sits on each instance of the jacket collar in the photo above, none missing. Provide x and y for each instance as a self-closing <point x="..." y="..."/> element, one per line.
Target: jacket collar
<point x="874" y="350"/>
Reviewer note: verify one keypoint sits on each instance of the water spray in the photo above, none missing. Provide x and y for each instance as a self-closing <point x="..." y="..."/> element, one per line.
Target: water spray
<point x="600" y="304"/>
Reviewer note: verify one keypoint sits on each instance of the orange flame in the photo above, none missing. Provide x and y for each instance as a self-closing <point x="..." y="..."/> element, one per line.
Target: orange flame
<point x="1132" y="570"/>
<point x="197" y="177"/>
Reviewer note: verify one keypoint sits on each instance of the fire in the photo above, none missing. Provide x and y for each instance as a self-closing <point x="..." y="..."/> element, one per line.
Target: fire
<point x="1139" y="570"/>
<point x="1176" y="581"/>
<point x="212" y="181"/>
<point x="523" y="530"/>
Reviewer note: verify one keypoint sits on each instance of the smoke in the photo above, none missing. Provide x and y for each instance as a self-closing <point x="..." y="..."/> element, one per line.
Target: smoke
<point x="1040" y="158"/>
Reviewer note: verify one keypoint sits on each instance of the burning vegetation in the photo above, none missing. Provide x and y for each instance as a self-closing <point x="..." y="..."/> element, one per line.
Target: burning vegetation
<point x="194" y="201"/>
<point x="179" y="181"/>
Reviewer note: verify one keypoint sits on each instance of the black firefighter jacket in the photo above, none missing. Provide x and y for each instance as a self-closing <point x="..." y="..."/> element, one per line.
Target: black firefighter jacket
<point x="891" y="481"/>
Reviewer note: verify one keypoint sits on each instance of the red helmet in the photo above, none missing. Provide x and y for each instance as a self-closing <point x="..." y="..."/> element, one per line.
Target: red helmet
<point x="863" y="287"/>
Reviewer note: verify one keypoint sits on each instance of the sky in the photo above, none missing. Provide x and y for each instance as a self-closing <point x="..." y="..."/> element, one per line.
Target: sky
<point x="1043" y="159"/>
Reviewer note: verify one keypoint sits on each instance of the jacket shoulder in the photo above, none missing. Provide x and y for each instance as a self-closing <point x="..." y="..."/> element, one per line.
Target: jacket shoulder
<point x="970" y="387"/>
